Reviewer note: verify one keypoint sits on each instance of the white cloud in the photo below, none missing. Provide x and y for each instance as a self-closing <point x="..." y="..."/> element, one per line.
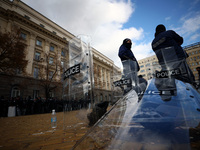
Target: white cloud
<point x="142" y="50"/>
<point x="194" y="37"/>
<point x="167" y="18"/>
<point x="101" y="19"/>
<point x="191" y="25"/>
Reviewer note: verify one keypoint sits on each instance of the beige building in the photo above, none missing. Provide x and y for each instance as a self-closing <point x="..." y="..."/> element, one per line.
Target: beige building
<point x="193" y="60"/>
<point x="148" y="65"/>
<point x="47" y="44"/>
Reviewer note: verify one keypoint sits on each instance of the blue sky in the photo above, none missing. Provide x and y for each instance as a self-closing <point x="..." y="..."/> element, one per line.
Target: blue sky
<point x="108" y="22"/>
<point x="172" y="13"/>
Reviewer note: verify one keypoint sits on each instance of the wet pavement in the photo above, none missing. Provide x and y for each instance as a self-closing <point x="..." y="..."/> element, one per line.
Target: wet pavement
<point x="34" y="132"/>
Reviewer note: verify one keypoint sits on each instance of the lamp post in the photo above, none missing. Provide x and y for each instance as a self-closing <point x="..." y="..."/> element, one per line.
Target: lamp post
<point x="198" y="69"/>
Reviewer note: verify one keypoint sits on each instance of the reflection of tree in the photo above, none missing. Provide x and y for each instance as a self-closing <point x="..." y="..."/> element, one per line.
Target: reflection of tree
<point x="12" y="53"/>
<point x="49" y="72"/>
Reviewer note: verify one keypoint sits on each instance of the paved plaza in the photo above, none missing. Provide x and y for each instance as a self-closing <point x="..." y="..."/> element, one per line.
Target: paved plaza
<point x="34" y="132"/>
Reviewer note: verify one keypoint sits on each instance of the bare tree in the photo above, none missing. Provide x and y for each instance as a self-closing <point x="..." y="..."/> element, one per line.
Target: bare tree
<point x="12" y="53"/>
<point x="49" y="72"/>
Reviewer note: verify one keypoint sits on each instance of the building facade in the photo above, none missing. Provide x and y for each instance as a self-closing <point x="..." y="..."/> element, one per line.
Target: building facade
<point x="146" y="66"/>
<point x="47" y="50"/>
<point x="193" y="60"/>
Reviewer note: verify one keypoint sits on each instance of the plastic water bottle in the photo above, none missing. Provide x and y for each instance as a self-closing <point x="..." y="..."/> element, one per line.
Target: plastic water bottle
<point x="53" y="119"/>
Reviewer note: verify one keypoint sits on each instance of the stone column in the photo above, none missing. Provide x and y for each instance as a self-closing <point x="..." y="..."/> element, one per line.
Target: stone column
<point x="30" y="53"/>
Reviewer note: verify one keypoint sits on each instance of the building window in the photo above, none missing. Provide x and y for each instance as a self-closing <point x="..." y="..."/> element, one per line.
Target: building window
<point x="62" y="53"/>
<point x="101" y="98"/>
<point x="27" y="17"/>
<point x="51" y="94"/>
<point x="50" y="75"/>
<point x="39" y="43"/>
<point x="35" y="94"/>
<point x="23" y="35"/>
<point x="51" y="60"/>
<point x="36" y="73"/>
<point x="147" y="65"/>
<point x="41" y="25"/>
<point x="15" y="92"/>
<point x="51" y="48"/>
<point x="62" y="64"/>
<point x="142" y="71"/>
<point x="37" y="56"/>
<point x="18" y="71"/>
<point x="142" y="66"/>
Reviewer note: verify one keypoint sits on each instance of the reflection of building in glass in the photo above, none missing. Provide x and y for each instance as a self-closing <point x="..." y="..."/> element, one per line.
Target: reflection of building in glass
<point x="193" y="60"/>
<point x="147" y="65"/>
<point x="47" y="52"/>
<point x="104" y="75"/>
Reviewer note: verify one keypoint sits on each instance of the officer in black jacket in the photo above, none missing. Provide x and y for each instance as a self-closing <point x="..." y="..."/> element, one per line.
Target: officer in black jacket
<point x="169" y="38"/>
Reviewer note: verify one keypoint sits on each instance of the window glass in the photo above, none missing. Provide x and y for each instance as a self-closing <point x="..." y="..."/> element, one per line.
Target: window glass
<point x="51" y="60"/>
<point x="62" y="64"/>
<point x="23" y="35"/>
<point x="15" y="92"/>
<point x="141" y="66"/>
<point x="51" y="48"/>
<point x="39" y="43"/>
<point x="147" y="64"/>
<point x="37" y="56"/>
<point x="62" y="53"/>
<point x="142" y="71"/>
<point x="35" y="93"/>
<point x="36" y="73"/>
<point x="50" y="74"/>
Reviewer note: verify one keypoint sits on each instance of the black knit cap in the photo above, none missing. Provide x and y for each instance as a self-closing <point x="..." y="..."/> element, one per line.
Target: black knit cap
<point x="160" y="28"/>
<point x="125" y="40"/>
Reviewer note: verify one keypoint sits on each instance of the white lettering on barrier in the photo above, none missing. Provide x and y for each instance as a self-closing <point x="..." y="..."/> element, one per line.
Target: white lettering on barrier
<point x="166" y="74"/>
<point x="166" y="92"/>
<point x="122" y="82"/>
<point x="72" y="71"/>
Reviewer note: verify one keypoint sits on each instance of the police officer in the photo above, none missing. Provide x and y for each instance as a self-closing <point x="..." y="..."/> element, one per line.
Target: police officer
<point x="169" y="38"/>
<point x="129" y="62"/>
<point x="125" y="54"/>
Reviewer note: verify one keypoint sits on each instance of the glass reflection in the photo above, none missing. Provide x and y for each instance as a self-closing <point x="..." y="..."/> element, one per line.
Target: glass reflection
<point x="161" y="113"/>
